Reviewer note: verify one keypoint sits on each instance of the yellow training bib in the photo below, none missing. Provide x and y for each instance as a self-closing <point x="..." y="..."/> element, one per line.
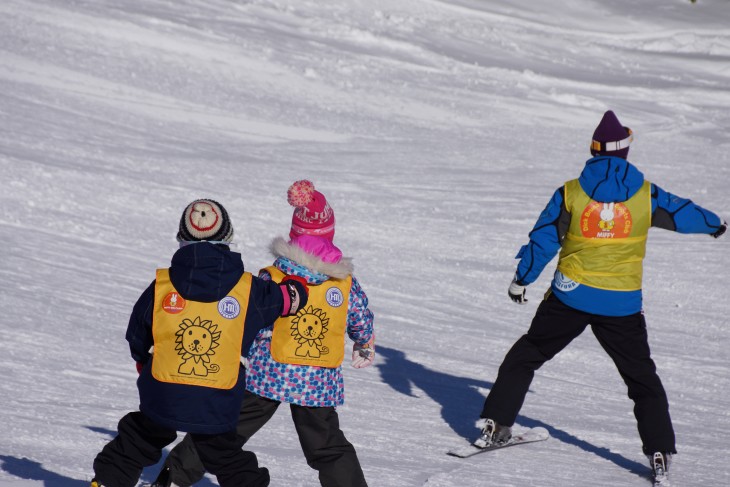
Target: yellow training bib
<point x="198" y="343"/>
<point x="606" y="242"/>
<point x="316" y="335"/>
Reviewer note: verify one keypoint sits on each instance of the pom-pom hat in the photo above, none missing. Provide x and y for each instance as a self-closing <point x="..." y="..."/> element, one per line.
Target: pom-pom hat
<point x="312" y="214"/>
<point x="205" y="219"/>
<point x="611" y="138"/>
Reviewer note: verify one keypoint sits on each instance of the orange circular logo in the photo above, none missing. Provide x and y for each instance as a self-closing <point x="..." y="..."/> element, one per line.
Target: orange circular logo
<point x="605" y="220"/>
<point x="173" y="303"/>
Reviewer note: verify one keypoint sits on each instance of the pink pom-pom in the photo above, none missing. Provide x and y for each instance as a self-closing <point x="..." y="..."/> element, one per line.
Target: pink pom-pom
<point x="301" y="193"/>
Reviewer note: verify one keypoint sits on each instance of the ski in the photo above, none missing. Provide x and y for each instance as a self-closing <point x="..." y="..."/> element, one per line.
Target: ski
<point x="528" y="436"/>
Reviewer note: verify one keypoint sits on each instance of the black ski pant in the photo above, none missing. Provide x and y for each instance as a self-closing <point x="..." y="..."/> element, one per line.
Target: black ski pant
<point x="139" y="444"/>
<point x="624" y="339"/>
<point x="323" y="443"/>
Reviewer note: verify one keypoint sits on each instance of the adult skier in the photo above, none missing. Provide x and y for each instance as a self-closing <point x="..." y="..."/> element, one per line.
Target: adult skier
<point x="599" y="223"/>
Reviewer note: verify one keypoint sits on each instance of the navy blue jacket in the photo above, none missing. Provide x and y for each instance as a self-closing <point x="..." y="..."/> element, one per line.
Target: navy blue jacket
<point x="605" y="179"/>
<point x="200" y="272"/>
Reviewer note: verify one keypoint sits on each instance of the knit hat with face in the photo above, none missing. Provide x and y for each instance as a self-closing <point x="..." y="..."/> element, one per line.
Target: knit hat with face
<point x="611" y="138"/>
<point x="312" y="214"/>
<point x="205" y="219"/>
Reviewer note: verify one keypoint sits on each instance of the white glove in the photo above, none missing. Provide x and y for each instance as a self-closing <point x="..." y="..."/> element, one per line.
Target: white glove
<point x="517" y="292"/>
<point x="363" y="355"/>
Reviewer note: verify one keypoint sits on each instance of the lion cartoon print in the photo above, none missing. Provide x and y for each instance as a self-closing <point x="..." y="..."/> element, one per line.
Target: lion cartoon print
<point x="196" y="342"/>
<point x="308" y="328"/>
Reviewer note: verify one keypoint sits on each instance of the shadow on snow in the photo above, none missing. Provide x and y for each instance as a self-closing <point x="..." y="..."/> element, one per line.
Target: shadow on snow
<point x="453" y="392"/>
<point x="27" y="469"/>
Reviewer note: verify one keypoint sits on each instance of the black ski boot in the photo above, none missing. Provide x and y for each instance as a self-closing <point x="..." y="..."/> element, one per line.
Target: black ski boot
<point x="163" y="479"/>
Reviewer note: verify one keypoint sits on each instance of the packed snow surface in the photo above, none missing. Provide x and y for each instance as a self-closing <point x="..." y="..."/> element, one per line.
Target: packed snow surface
<point x="438" y="129"/>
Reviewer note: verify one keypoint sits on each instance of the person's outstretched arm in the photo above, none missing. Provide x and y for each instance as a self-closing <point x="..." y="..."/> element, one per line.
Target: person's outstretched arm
<point x="681" y="215"/>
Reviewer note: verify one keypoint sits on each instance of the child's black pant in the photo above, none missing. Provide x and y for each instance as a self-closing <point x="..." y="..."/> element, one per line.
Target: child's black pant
<point x="624" y="339"/>
<point x="139" y="444"/>
<point x="323" y="443"/>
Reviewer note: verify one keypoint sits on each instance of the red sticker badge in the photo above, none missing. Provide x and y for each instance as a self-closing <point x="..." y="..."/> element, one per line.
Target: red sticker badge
<point x="173" y="303"/>
<point x="605" y="220"/>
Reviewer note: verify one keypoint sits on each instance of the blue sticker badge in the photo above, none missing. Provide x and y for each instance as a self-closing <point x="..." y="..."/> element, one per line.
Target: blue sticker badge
<point x="229" y="308"/>
<point x="334" y="297"/>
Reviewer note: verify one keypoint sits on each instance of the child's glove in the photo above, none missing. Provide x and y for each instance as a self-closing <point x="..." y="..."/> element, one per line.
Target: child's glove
<point x="517" y="292"/>
<point x="295" y="292"/>
<point x="720" y="231"/>
<point x="363" y="355"/>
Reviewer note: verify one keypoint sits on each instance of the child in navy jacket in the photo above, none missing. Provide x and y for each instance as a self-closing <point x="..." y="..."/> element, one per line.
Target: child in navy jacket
<point x="200" y="315"/>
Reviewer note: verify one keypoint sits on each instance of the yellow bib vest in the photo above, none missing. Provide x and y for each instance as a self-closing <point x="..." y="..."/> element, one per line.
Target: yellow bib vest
<point x="316" y="335"/>
<point x="606" y="242"/>
<point x="198" y="343"/>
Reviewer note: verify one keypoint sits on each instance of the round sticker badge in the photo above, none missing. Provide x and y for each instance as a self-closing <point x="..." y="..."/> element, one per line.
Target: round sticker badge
<point x="563" y="282"/>
<point x="605" y="220"/>
<point x="334" y="297"/>
<point x="229" y="308"/>
<point x="173" y="303"/>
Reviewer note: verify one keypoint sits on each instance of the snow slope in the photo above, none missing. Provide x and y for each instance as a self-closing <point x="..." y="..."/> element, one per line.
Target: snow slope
<point x="438" y="129"/>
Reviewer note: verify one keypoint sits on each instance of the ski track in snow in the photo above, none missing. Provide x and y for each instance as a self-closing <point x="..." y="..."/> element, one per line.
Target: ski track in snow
<point x="438" y="131"/>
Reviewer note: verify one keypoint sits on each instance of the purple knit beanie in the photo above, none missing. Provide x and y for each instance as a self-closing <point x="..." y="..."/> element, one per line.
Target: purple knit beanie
<point x="611" y="138"/>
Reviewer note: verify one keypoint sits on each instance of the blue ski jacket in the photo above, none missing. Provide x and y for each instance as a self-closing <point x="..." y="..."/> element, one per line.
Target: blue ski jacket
<point x="605" y="179"/>
<point x="206" y="273"/>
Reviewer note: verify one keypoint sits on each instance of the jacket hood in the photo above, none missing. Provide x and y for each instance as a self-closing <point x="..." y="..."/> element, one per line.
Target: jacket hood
<point x="339" y="270"/>
<point x="610" y="179"/>
<point x="205" y="272"/>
